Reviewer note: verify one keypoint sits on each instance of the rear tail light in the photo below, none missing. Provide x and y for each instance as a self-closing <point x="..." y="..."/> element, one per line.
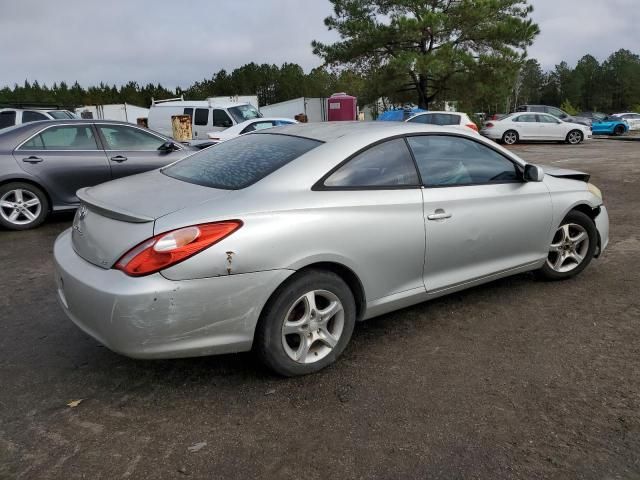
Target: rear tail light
<point x="472" y="126"/>
<point x="169" y="248"/>
<point x="488" y="125"/>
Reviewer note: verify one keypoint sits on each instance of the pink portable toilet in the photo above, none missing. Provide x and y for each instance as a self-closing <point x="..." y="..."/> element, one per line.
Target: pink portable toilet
<point x="342" y="107"/>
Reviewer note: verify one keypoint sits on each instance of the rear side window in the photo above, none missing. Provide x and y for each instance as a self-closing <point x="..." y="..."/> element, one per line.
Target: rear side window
<point x="201" y="117"/>
<point x="63" y="138"/>
<point x="7" y="119"/>
<point x="29" y="116"/>
<point x="426" y="118"/>
<point x="240" y="162"/>
<point x="387" y="164"/>
<point x="453" y="161"/>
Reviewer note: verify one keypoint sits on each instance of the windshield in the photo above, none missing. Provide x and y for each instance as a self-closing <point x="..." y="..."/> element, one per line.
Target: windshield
<point x="60" y="114"/>
<point x="240" y="162"/>
<point x="242" y="113"/>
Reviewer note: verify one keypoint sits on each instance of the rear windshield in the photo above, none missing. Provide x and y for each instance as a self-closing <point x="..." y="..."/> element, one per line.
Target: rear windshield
<point x="240" y="162"/>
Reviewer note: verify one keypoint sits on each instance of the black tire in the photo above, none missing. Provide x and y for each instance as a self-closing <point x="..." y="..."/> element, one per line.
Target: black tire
<point x="8" y="191"/>
<point x="579" y="218"/>
<point x="573" y="134"/>
<point x="508" y="135"/>
<point x="618" y="130"/>
<point x="268" y="341"/>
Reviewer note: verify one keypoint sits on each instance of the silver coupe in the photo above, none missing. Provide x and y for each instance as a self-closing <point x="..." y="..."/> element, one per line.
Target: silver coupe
<point x="280" y="240"/>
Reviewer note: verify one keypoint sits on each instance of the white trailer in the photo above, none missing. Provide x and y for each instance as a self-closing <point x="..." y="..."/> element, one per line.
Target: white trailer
<point x="314" y="108"/>
<point x="124" y="112"/>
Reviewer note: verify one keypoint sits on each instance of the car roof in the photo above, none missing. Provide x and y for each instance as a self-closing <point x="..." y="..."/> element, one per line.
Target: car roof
<point x="328" y="131"/>
<point x="199" y="103"/>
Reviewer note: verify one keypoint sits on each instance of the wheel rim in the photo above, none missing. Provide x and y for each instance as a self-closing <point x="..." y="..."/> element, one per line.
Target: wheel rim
<point x="20" y="206"/>
<point x="313" y="326"/>
<point x="574" y="137"/>
<point x="568" y="248"/>
<point x="510" y="138"/>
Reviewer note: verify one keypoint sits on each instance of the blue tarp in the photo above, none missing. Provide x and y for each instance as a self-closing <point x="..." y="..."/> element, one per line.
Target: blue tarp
<point x="399" y="114"/>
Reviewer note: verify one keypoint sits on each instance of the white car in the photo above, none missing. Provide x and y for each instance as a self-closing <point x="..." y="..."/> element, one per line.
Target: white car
<point x="443" y="118"/>
<point x="16" y="116"/>
<point x="249" y="126"/>
<point x="633" y="119"/>
<point x="530" y="126"/>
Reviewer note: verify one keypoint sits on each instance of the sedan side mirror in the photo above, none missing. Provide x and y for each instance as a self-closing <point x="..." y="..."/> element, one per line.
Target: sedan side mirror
<point x="533" y="173"/>
<point x="168" y="147"/>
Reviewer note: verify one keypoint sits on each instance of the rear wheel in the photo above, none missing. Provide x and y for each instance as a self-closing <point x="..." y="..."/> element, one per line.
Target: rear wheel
<point x="22" y="206"/>
<point x="306" y="324"/>
<point x="510" y="137"/>
<point x="574" y="137"/>
<point x="572" y="247"/>
<point x="618" y="130"/>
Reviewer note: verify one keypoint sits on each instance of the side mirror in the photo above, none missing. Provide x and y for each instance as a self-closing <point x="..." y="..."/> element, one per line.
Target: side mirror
<point x="533" y="173"/>
<point x="168" y="147"/>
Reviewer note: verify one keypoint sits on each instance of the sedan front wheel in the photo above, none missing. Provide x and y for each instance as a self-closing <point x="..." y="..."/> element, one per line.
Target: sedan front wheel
<point x="571" y="248"/>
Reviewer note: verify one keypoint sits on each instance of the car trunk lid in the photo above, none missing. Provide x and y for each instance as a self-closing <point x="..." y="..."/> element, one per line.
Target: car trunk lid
<point x="116" y="216"/>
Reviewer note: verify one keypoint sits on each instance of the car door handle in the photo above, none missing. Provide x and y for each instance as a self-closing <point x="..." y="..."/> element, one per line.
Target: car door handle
<point x="119" y="158"/>
<point x="32" y="159"/>
<point x="439" y="214"/>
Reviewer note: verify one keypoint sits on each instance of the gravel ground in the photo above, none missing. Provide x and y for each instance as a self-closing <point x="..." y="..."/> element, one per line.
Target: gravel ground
<point x="514" y="379"/>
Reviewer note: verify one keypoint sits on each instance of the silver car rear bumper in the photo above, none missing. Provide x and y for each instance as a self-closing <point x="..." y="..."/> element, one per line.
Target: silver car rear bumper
<point x="153" y="317"/>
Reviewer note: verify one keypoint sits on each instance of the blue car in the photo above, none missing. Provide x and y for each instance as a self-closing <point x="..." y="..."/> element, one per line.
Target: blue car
<point x="608" y="125"/>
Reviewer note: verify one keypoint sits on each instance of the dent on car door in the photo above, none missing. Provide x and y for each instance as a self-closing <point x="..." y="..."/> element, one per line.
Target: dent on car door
<point x="64" y="158"/>
<point x="480" y="217"/>
<point x="132" y="150"/>
<point x="374" y="203"/>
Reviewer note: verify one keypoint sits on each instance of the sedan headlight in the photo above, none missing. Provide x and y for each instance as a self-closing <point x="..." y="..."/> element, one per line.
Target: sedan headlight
<point x="595" y="190"/>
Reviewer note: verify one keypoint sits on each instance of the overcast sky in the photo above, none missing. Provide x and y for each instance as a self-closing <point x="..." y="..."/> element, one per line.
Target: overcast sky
<point x="178" y="42"/>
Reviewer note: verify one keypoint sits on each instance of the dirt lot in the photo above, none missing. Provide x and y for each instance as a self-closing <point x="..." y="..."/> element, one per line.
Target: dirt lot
<point x="515" y="379"/>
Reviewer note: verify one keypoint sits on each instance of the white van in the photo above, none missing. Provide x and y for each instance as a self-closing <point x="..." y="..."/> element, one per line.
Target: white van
<point x="206" y="115"/>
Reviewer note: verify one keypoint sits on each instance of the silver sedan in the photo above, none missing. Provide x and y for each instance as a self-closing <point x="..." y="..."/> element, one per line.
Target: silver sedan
<point x="279" y="241"/>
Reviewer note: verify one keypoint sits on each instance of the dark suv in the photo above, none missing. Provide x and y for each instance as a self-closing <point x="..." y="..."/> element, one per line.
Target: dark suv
<point x="556" y="112"/>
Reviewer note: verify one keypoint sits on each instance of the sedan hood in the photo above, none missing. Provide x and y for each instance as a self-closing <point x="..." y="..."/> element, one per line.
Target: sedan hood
<point x="566" y="173"/>
<point x="145" y="197"/>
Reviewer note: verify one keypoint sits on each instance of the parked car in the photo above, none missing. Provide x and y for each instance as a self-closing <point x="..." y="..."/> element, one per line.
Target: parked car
<point x="609" y="125"/>
<point x="17" y="116"/>
<point x="43" y="164"/>
<point x="632" y="119"/>
<point x="247" y="127"/>
<point x="556" y="112"/>
<point x="280" y="240"/>
<point x="206" y="116"/>
<point x="444" y="118"/>
<point x="519" y="127"/>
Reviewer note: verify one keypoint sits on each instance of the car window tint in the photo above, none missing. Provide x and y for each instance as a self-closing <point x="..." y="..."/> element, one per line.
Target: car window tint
<point x="122" y="137"/>
<point x="426" y="118"/>
<point x="221" y="119"/>
<point x="449" y="161"/>
<point x="536" y="109"/>
<point x="525" y="118"/>
<point x="201" y="117"/>
<point x="66" y="137"/>
<point x="30" y="116"/>
<point x="547" y="119"/>
<point x="188" y="111"/>
<point x="7" y="119"/>
<point x="387" y="164"/>
<point x="240" y="162"/>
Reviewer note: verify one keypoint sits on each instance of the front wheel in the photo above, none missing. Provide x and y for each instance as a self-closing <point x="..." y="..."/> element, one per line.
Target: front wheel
<point x="572" y="247"/>
<point x="574" y="137"/>
<point x="306" y="324"/>
<point x="22" y="206"/>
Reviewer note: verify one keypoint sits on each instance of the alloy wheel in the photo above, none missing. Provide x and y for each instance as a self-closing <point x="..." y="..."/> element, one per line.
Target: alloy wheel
<point x="568" y="248"/>
<point x="313" y="326"/>
<point x="20" y="206"/>
<point x="574" y="138"/>
<point x="510" y="138"/>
